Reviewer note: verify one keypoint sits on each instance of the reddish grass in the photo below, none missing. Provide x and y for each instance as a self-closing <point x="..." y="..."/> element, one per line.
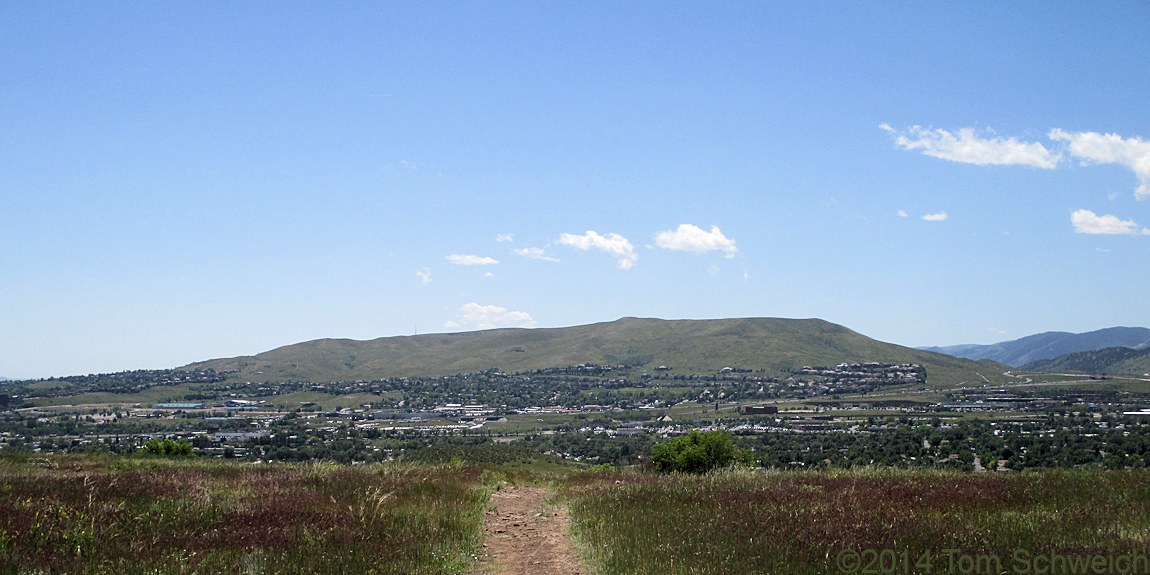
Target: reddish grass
<point x="94" y="516"/>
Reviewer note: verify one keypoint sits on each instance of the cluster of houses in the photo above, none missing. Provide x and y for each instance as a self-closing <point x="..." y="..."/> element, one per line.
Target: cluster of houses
<point x="869" y="372"/>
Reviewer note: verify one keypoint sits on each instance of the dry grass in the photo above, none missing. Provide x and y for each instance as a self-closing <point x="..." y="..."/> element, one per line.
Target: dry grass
<point x="85" y="515"/>
<point x="795" y="523"/>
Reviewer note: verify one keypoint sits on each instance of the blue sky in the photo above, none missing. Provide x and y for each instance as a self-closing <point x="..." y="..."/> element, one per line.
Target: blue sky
<point x="182" y="181"/>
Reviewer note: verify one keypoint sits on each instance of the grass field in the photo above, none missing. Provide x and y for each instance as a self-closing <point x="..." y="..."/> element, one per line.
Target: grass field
<point x="862" y="522"/>
<point x="73" y="514"/>
<point x="131" y="515"/>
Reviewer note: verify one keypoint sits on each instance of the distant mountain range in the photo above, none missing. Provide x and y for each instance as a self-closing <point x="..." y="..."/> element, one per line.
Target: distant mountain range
<point x="685" y="346"/>
<point x="1050" y="345"/>
<point x="1110" y="360"/>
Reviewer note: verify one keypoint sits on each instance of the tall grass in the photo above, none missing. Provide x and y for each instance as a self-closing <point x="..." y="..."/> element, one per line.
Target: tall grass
<point x="104" y="515"/>
<point x="801" y="522"/>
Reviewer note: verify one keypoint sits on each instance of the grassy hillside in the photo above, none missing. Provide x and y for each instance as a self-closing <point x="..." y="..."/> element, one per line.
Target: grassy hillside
<point x="1136" y="365"/>
<point x="688" y="346"/>
<point x="1117" y="360"/>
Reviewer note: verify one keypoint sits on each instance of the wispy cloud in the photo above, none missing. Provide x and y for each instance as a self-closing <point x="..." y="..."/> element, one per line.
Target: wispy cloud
<point x="1092" y="147"/>
<point x="614" y="244"/>
<point x="503" y="238"/>
<point x="534" y="254"/>
<point x="471" y="260"/>
<point x="692" y="238"/>
<point x="966" y="147"/>
<point x="424" y="276"/>
<point x="936" y="217"/>
<point x="477" y="316"/>
<point x="1088" y="222"/>
<point x="903" y="214"/>
<point x="403" y="165"/>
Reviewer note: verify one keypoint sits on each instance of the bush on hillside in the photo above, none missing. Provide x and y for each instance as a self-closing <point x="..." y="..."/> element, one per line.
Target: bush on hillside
<point x="699" y="452"/>
<point x="169" y="448"/>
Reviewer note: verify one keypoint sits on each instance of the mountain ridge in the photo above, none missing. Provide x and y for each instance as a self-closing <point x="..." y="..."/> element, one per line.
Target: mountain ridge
<point x="1048" y="345"/>
<point x="688" y="346"/>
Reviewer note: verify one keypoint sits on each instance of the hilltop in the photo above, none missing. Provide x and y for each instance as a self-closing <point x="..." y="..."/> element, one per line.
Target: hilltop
<point x="686" y="346"/>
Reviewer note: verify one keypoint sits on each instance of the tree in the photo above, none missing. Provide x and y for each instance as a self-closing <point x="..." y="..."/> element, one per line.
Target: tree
<point x="699" y="452"/>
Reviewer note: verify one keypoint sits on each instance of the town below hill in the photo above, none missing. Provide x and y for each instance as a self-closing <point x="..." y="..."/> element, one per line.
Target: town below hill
<point x="799" y="393"/>
<point x="845" y="414"/>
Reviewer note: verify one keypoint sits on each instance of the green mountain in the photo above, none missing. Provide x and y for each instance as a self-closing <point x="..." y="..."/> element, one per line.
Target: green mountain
<point x="1111" y="360"/>
<point x="686" y="346"/>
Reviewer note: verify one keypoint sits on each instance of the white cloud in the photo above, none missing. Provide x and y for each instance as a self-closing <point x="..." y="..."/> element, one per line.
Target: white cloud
<point x="692" y="238"/>
<point x="1132" y="153"/>
<point x="903" y="214"/>
<point x="534" y="254"/>
<point x="424" y="275"/>
<point x="966" y="147"/>
<point x="402" y="164"/>
<point x="501" y="238"/>
<point x="614" y="244"/>
<point x="476" y="316"/>
<point x="936" y="217"/>
<point x="471" y="260"/>
<point x="1088" y="222"/>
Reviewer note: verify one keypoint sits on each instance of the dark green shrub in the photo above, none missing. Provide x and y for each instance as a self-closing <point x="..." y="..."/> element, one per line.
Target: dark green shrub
<point x="169" y="448"/>
<point x="698" y="452"/>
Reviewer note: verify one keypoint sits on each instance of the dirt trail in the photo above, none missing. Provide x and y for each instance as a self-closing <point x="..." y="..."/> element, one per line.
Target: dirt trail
<point x="527" y="536"/>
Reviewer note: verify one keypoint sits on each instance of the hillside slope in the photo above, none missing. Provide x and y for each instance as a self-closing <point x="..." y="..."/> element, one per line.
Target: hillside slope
<point x="1111" y="360"/>
<point x="1049" y="345"/>
<point x="688" y="346"/>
